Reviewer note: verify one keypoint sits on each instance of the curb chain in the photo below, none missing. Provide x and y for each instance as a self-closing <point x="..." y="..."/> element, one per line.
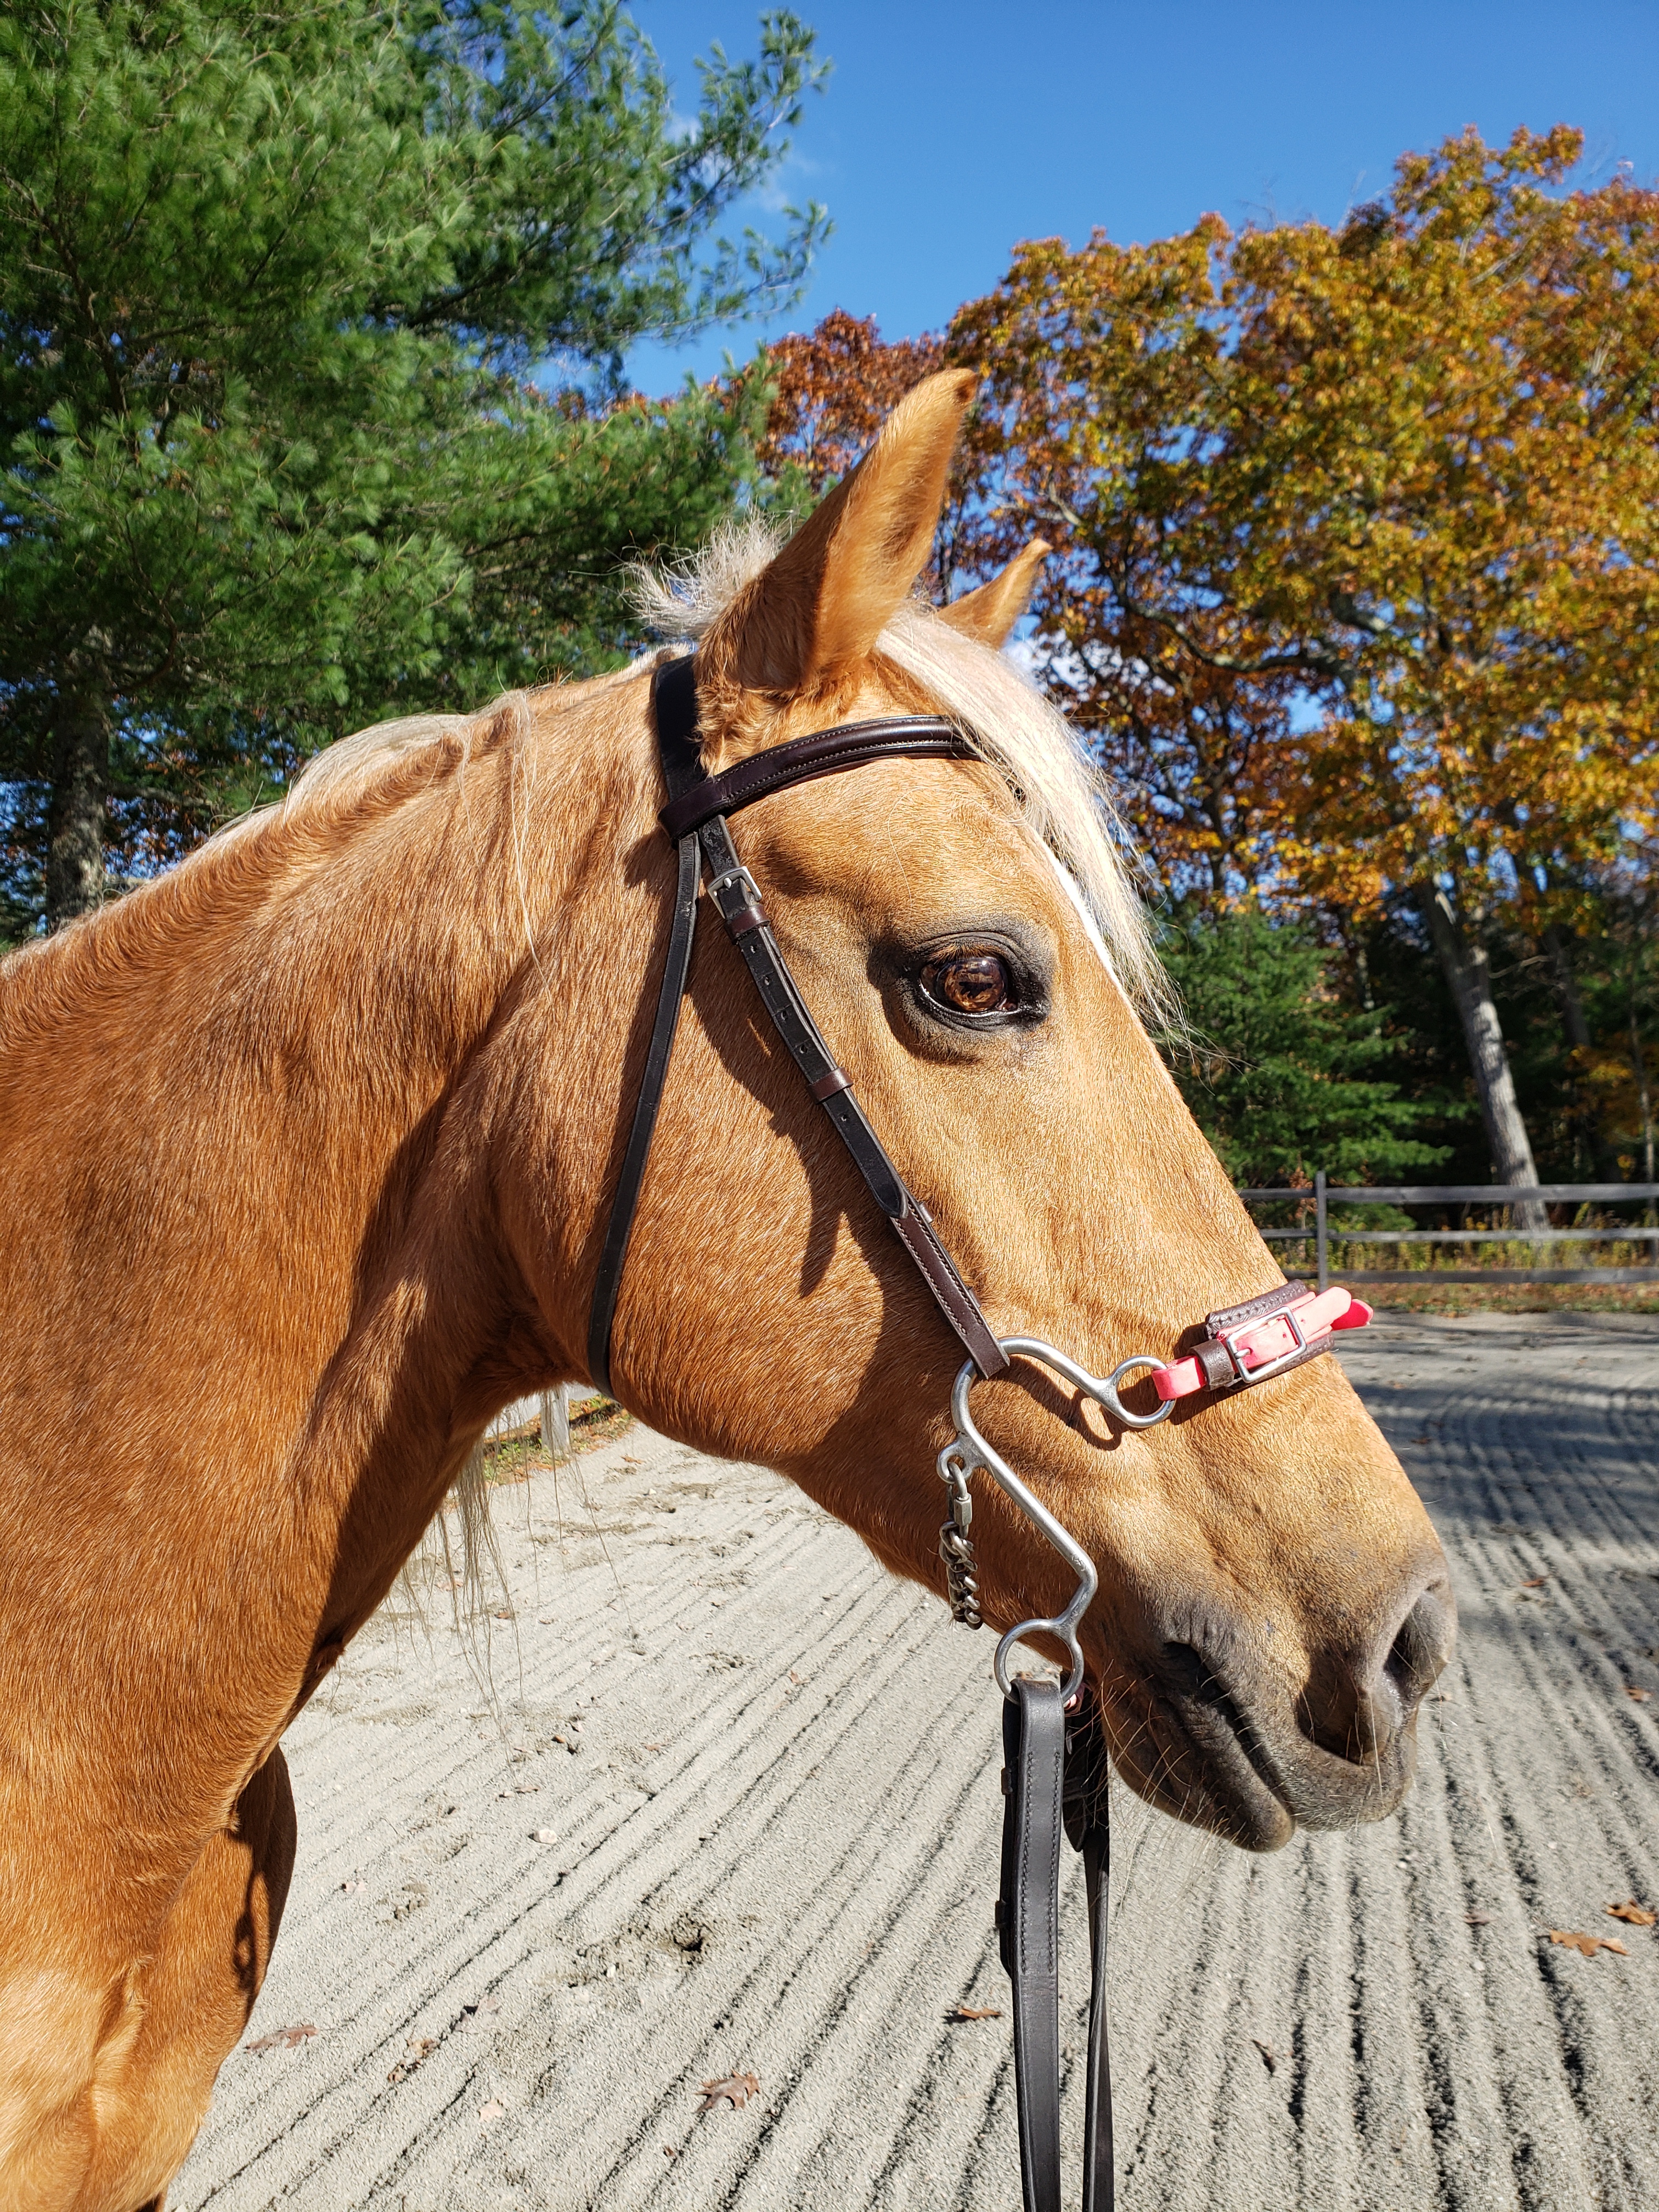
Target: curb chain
<point x="955" y="1546"/>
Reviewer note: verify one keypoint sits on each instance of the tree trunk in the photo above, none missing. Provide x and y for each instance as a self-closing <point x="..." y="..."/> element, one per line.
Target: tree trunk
<point x="1566" y="990"/>
<point x="1644" y="1095"/>
<point x="1469" y="973"/>
<point x="80" y="773"/>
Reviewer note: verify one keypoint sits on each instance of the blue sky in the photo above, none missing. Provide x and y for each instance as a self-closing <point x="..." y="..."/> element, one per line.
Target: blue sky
<point x="950" y="131"/>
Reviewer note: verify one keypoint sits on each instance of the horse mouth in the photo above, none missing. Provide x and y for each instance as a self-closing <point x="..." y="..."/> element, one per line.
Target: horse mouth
<point x="1215" y="1771"/>
<point x="1193" y="1749"/>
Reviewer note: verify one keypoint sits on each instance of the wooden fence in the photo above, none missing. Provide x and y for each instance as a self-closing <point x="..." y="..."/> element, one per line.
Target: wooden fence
<point x="1444" y="1197"/>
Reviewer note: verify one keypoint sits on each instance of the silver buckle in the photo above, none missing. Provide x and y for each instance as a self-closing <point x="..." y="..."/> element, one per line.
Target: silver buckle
<point x="1229" y="1344"/>
<point x="723" y="883"/>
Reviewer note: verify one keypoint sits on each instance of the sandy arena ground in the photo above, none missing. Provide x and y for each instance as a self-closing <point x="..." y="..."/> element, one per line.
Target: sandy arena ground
<point x="770" y="1776"/>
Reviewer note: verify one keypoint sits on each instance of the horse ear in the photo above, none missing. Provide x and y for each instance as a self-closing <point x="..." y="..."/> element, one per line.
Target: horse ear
<point x="991" y="612"/>
<point x="821" y="603"/>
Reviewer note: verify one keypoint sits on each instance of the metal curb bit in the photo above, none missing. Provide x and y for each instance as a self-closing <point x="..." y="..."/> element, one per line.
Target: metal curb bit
<point x="967" y="1453"/>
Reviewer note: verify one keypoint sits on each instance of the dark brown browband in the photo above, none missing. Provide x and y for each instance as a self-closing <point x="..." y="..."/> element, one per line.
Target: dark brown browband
<point x="826" y="752"/>
<point x="694" y="819"/>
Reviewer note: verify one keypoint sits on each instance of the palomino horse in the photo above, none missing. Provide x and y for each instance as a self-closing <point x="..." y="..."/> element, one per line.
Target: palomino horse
<point x="307" y="1151"/>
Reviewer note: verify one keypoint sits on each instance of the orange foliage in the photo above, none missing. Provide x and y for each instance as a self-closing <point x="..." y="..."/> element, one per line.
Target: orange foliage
<point x="835" y="388"/>
<point x="1359" y="578"/>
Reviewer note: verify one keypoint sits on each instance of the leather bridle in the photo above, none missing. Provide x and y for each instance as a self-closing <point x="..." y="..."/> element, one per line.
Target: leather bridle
<point x="1056" y="1768"/>
<point x="694" y="819"/>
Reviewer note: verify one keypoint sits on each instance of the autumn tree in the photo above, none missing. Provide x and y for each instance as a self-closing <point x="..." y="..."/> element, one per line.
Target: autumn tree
<point x="311" y="319"/>
<point x="1358" y="583"/>
<point x="832" y="389"/>
<point x="1100" y="370"/>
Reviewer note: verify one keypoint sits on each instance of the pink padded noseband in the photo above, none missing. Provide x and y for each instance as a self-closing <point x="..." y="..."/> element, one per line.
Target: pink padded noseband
<point x="1261" y="1337"/>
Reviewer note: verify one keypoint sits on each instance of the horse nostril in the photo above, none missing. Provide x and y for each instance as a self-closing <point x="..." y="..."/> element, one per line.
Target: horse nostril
<point x="1420" y="1650"/>
<point x="1356" y="1707"/>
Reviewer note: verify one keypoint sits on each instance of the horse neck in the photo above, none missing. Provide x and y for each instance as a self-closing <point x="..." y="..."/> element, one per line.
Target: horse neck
<point x="243" y="1117"/>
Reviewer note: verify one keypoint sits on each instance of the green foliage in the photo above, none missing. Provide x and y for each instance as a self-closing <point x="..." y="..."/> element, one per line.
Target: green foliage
<point x="1580" y="1016"/>
<point x="275" y="277"/>
<point x="1284" y="1078"/>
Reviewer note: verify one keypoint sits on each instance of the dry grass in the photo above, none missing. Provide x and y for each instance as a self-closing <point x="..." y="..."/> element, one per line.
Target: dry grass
<point x="1423" y="1296"/>
<point x="516" y="1456"/>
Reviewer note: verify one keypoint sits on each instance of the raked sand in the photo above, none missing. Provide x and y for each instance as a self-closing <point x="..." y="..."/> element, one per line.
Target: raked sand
<point x="775" y="1851"/>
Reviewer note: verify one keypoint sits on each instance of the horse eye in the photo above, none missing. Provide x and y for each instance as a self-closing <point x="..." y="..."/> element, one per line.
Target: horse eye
<point x="971" y="983"/>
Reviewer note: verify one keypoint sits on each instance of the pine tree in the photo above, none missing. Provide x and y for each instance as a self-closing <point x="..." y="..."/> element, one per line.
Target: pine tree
<point x="276" y="280"/>
<point x="1285" y="1077"/>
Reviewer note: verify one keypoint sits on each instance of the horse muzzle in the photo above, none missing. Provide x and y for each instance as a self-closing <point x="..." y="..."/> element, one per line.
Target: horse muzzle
<point x="1207" y="1722"/>
<point x="1242" y="1346"/>
<point x="1205" y="1727"/>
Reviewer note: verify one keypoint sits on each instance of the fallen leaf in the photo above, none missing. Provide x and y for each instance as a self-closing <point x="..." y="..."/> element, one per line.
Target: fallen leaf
<point x="1640" y="1695"/>
<point x="1478" y="1919"/>
<point x="1269" y="2055"/>
<point x="1574" y="1939"/>
<point x="1537" y="1583"/>
<point x="736" y="2089"/>
<point x="974" y="2012"/>
<point x="1636" y="1915"/>
<point x="289" y="2039"/>
<point x="494" y="2110"/>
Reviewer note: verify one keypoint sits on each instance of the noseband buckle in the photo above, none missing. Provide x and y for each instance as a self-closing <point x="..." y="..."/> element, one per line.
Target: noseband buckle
<point x="1231" y="1342"/>
<point x="1253" y="1342"/>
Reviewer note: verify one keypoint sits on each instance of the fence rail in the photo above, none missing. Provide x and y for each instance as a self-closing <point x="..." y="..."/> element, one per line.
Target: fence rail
<point x="1324" y="1195"/>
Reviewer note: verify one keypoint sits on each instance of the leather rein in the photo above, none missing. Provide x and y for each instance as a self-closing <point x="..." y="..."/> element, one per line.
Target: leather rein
<point x="1054" y="1777"/>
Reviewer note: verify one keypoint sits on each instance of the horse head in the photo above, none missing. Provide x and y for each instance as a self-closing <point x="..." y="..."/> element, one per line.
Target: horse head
<point x="1273" y="1601"/>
